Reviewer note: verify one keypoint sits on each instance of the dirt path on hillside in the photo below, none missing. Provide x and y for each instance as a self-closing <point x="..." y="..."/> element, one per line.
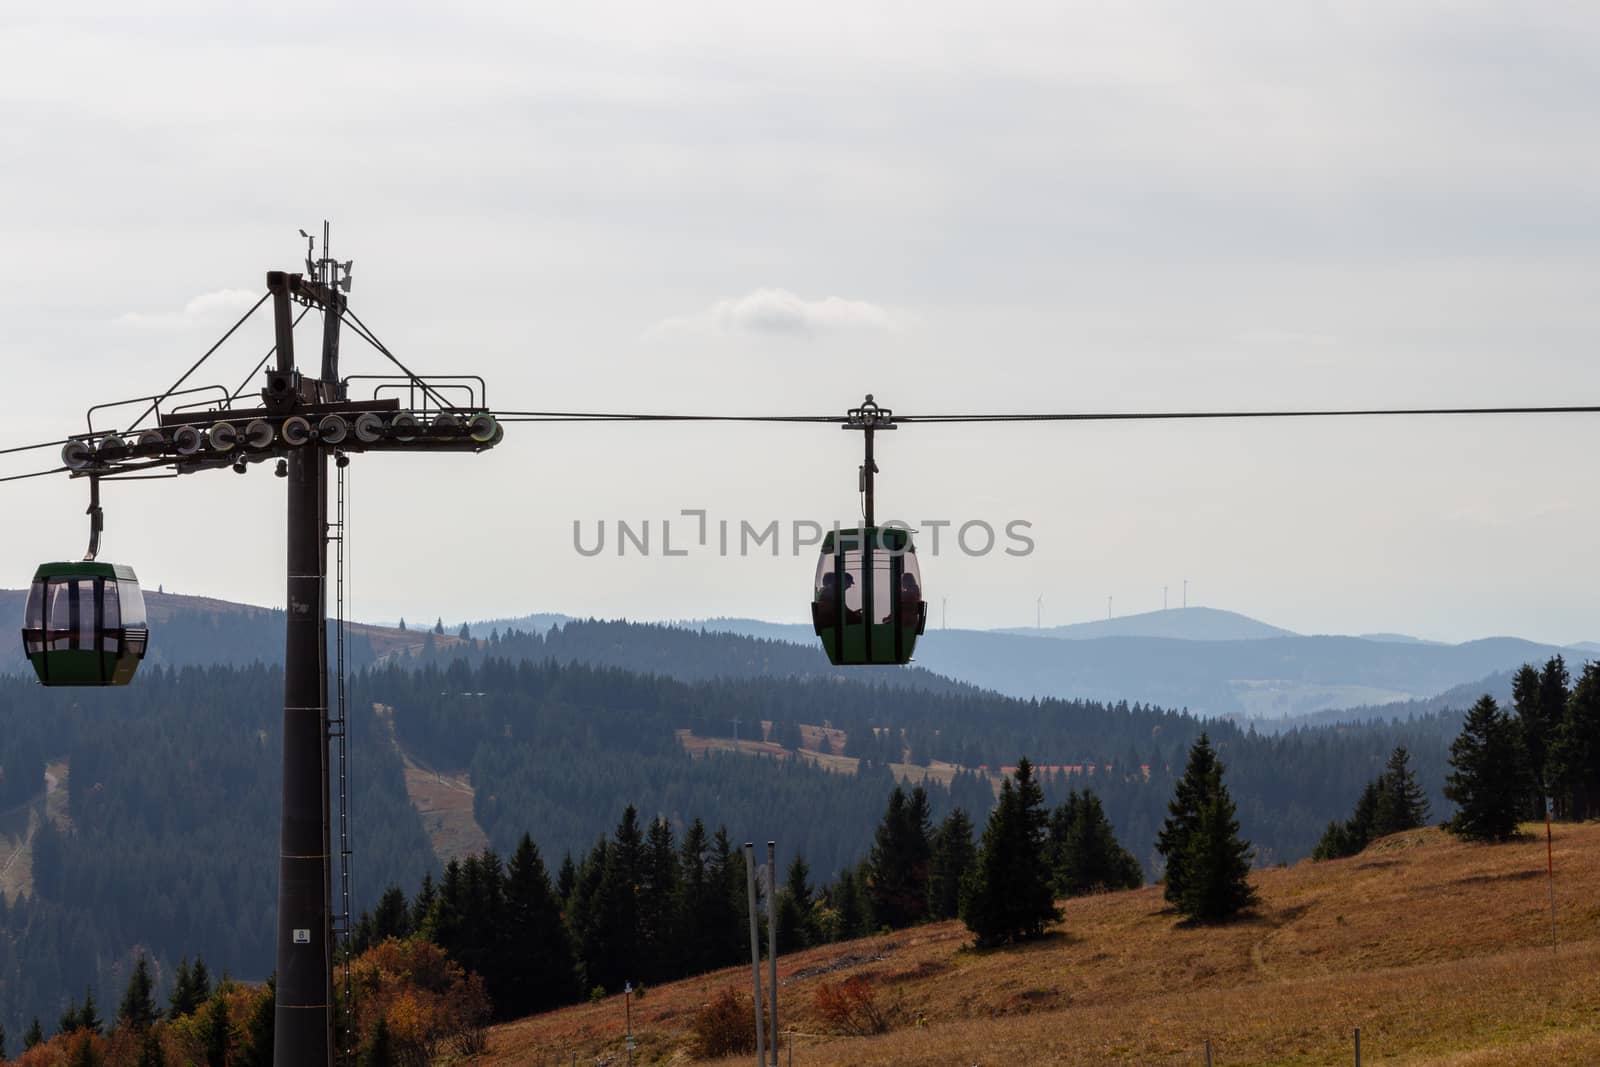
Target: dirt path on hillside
<point x="16" y="869"/>
<point x="443" y="801"/>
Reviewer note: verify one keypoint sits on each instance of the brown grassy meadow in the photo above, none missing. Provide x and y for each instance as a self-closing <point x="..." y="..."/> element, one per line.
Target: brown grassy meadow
<point x="1439" y="951"/>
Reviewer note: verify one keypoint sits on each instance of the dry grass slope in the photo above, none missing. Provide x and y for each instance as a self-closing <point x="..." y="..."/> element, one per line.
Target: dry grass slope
<point x="1439" y="951"/>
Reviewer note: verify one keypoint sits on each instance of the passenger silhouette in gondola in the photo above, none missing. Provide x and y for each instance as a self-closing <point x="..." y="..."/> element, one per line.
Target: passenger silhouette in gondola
<point x="910" y="591"/>
<point x="828" y="597"/>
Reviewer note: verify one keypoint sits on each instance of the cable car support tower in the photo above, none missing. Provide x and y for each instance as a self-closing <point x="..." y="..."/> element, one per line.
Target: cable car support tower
<point x="302" y="420"/>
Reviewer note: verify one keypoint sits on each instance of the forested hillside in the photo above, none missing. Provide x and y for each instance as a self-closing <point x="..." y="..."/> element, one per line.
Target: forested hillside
<point x="167" y="842"/>
<point x="546" y="744"/>
<point x="171" y="843"/>
<point x="687" y="654"/>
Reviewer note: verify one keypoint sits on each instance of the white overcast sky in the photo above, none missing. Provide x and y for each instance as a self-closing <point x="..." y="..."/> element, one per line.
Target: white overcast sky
<point x="760" y="208"/>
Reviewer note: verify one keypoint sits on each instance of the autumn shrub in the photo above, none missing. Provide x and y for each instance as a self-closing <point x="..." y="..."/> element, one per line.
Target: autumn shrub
<point x="724" y="1027"/>
<point x="426" y="1000"/>
<point x="851" y="1007"/>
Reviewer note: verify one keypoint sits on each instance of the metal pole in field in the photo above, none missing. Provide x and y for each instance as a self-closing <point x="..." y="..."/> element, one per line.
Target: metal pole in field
<point x="1208" y="1052"/>
<point x="1358" y="1046"/>
<point x="755" y="946"/>
<point x="772" y="940"/>
<point x="627" y="1015"/>
<point x="1550" y="868"/>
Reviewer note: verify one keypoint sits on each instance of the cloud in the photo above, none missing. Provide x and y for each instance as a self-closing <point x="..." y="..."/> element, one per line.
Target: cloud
<point x="782" y="313"/>
<point x="204" y="308"/>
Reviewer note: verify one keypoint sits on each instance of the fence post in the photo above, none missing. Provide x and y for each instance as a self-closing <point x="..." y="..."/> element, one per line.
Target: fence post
<point x="1208" y="1052"/>
<point x="755" y="949"/>
<point x="1358" y="1046"/>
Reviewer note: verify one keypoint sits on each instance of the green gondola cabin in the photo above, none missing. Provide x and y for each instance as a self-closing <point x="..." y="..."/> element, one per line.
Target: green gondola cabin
<point x="85" y="624"/>
<point x="868" y="622"/>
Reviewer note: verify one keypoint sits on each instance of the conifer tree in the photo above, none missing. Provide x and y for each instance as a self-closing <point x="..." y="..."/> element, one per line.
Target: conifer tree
<point x="200" y="979"/>
<point x="854" y="919"/>
<point x="1488" y="783"/>
<point x="392" y="918"/>
<point x="1007" y="896"/>
<point x="1555" y="691"/>
<point x="138" y="1008"/>
<point x="901" y="852"/>
<point x="953" y="856"/>
<point x="659" y="889"/>
<point x="567" y="878"/>
<point x="615" y="952"/>
<point x="796" y="925"/>
<point x="1537" y="733"/>
<point x="33" y="1035"/>
<point x="698" y="914"/>
<point x="89" y="1017"/>
<point x="582" y="914"/>
<point x="726" y="881"/>
<point x="1208" y="865"/>
<point x="533" y="931"/>
<point x="422" y="907"/>
<point x="1085" y="856"/>
<point x="216" y="1031"/>
<point x="1364" y="819"/>
<point x="1401" y="803"/>
<point x="1575" y="749"/>
<point x="1217" y="885"/>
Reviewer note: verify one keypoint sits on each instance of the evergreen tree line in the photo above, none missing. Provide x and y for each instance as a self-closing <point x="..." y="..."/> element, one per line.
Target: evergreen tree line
<point x="644" y="905"/>
<point x="225" y="1025"/>
<point x="1541" y="757"/>
<point x="675" y="652"/>
<point x="170" y="790"/>
<point x="541" y="741"/>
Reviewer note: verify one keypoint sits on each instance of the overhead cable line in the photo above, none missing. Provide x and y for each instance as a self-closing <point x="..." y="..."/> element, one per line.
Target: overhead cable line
<point x="1072" y="416"/>
<point x="938" y="419"/>
<point x="1154" y="416"/>
<point x="35" y="474"/>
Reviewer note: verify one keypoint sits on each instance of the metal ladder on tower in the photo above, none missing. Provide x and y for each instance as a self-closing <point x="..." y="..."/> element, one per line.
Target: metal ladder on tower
<point x="338" y="734"/>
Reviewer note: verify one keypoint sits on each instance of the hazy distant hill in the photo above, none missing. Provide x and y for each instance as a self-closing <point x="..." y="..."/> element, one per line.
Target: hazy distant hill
<point x="1275" y="675"/>
<point x="537" y="623"/>
<point x="1272" y="677"/>
<point x="1186" y="624"/>
<point x="1398" y="639"/>
<point x="1280" y="674"/>
<point x="1455" y="700"/>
